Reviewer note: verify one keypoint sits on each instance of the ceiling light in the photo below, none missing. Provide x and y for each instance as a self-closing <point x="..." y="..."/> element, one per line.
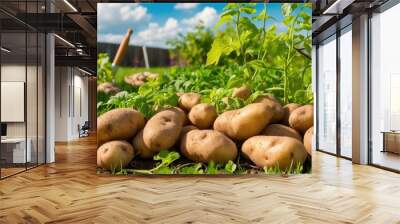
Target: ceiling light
<point x="65" y="41"/>
<point x="70" y="5"/>
<point x="84" y="71"/>
<point x="338" y="6"/>
<point x="5" y="50"/>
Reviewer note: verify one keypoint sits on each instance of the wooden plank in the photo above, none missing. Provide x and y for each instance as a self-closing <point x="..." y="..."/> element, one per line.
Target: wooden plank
<point x="70" y="191"/>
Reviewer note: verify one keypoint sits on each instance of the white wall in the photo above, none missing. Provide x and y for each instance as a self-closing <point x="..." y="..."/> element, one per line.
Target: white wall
<point x="71" y="93"/>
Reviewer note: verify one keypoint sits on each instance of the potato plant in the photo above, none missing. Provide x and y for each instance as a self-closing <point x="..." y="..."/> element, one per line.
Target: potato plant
<point x="242" y="106"/>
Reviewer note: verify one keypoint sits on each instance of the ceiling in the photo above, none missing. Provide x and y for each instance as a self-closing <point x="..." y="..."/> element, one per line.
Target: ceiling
<point x="74" y="22"/>
<point x="330" y="15"/>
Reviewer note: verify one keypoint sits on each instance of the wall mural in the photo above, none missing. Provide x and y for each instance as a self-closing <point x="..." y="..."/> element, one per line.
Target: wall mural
<point x="204" y="88"/>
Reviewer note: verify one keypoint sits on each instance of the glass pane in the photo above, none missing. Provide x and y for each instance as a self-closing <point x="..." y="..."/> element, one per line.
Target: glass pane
<point x="385" y="86"/>
<point x="327" y="96"/>
<point x="41" y="99"/>
<point x="13" y="86"/>
<point x="31" y="98"/>
<point x="346" y="94"/>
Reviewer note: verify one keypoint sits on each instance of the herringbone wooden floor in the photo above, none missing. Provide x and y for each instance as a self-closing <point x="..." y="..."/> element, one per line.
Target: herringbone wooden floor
<point x="70" y="191"/>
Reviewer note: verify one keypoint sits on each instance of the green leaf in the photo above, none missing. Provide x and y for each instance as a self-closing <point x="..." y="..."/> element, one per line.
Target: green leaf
<point x="231" y="6"/>
<point x="166" y="157"/>
<point x="248" y="10"/>
<point x="212" y="168"/>
<point x="193" y="169"/>
<point x="229" y="13"/>
<point x="164" y="170"/>
<point x="221" y="46"/>
<point x="215" y="53"/>
<point x="222" y="20"/>
<point x="286" y="9"/>
<point x="263" y="15"/>
<point x="230" y="167"/>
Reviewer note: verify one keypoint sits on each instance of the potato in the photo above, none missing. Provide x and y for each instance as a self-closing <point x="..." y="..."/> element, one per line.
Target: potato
<point x="141" y="148"/>
<point x="163" y="129"/>
<point x="203" y="115"/>
<point x="114" y="155"/>
<point x="287" y="110"/>
<point x="276" y="106"/>
<point x="266" y="97"/>
<point x="188" y="100"/>
<point x="281" y="130"/>
<point x="301" y="118"/>
<point x="242" y="92"/>
<point x="179" y="111"/>
<point x="136" y="80"/>
<point x="108" y="88"/>
<point x="208" y="145"/>
<point x="245" y="122"/>
<point x="119" y="124"/>
<point x="186" y="129"/>
<point x="273" y="151"/>
<point x="307" y="141"/>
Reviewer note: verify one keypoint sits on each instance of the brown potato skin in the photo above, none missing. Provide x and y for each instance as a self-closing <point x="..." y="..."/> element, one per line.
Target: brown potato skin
<point x="266" y="97"/>
<point x="276" y="107"/>
<point x="287" y="110"/>
<point x="307" y="141"/>
<point x="163" y="130"/>
<point x="208" y="145"/>
<point x="186" y="129"/>
<point x="244" y="123"/>
<point x="281" y="130"/>
<point x="136" y="80"/>
<point x="143" y="151"/>
<point x="179" y="111"/>
<point x="119" y="124"/>
<point x="203" y="115"/>
<point x="114" y="155"/>
<point x="272" y="151"/>
<point x="139" y="79"/>
<point x="188" y="100"/>
<point x="302" y="118"/>
<point x="242" y="92"/>
<point x="108" y="88"/>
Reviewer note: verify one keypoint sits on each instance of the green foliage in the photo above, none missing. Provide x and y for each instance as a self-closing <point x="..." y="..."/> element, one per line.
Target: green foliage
<point x="191" y="169"/>
<point x="104" y="69"/>
<point x="283" y="56"/>
<point x="193" y="46"/>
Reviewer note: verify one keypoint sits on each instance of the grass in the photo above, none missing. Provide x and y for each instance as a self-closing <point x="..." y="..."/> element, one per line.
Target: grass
<point x="170" y="162"/>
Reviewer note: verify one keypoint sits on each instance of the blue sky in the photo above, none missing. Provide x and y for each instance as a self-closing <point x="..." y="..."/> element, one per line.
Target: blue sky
<point x="155" y="23"/>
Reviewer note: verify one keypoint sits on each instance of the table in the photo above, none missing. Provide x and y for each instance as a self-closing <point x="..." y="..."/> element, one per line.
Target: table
<point x="391" y="141"/>
<point x="13" y="150"/>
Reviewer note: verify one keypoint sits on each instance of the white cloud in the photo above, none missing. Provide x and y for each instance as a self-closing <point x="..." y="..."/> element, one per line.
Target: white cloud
<point x="185" y="6"/>
<point x="109" y="15"/>
<point x="208" y="16"/>
<point x="156" y="35"/>
<point x="136" y="13"/>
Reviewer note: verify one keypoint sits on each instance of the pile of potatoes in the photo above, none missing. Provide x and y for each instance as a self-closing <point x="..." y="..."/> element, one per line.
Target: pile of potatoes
<point x="265" y="132"/>
<point x="139" y="79"/>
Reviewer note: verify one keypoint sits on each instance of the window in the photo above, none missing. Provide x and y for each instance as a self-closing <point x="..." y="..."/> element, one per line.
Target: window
<point x="346" y="92"/>
<point x="327" y="95"/>
<point x="385" y="89"/>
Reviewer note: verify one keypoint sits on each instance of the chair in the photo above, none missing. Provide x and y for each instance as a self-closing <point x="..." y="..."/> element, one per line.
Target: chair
<point x="84" y="130"/>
